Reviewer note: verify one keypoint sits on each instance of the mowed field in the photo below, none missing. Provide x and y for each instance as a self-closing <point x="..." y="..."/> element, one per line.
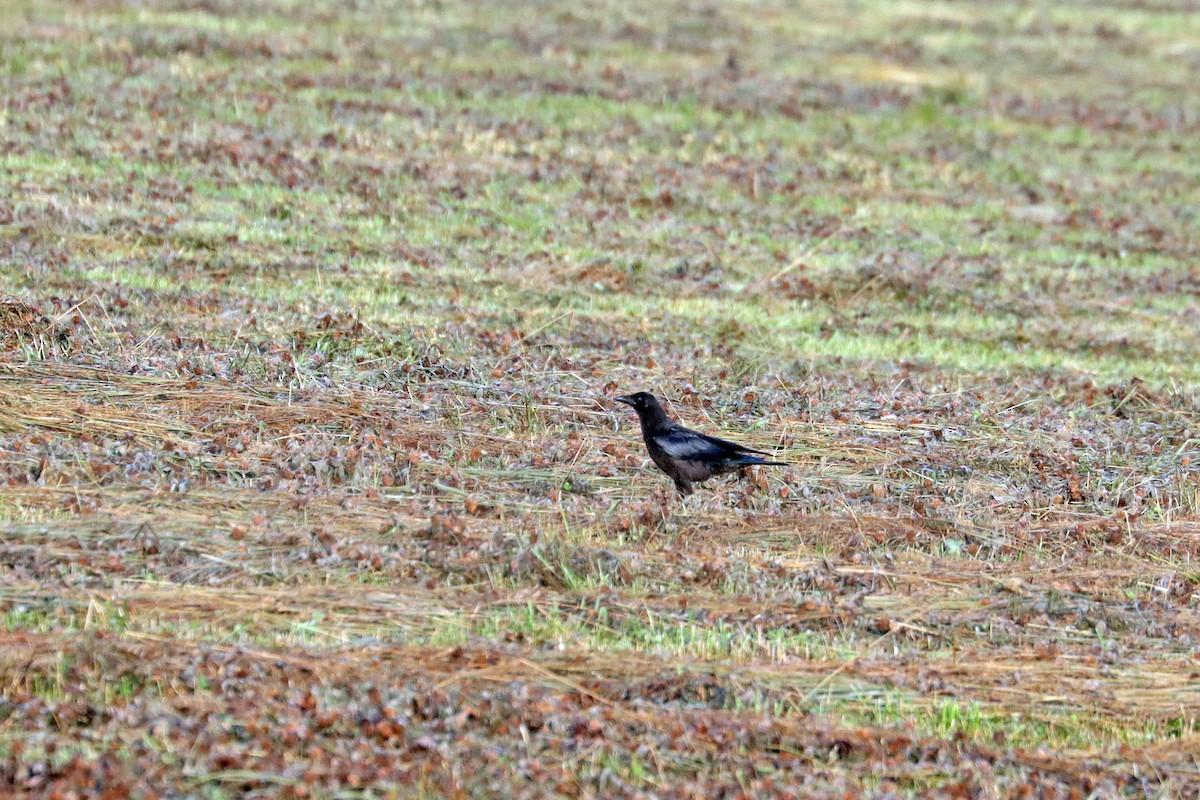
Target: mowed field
<point x="312" y="315"/>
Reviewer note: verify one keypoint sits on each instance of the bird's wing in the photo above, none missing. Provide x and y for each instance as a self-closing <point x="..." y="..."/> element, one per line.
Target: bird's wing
<point x="687" y="445"/>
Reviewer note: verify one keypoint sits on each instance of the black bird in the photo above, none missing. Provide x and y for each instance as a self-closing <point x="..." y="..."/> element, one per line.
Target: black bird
<point x="686" y="455"/>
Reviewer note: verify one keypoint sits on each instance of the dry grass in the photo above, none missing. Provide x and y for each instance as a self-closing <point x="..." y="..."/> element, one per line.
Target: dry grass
<point x="313" y="481"/>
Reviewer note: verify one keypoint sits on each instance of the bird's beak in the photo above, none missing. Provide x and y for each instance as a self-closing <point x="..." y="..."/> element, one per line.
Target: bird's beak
<point x="626" y="399"/>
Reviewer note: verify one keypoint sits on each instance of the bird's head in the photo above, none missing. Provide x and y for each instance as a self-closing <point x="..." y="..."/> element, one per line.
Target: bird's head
<point x="645" y="404"/>
<point x="639" y="401"/>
